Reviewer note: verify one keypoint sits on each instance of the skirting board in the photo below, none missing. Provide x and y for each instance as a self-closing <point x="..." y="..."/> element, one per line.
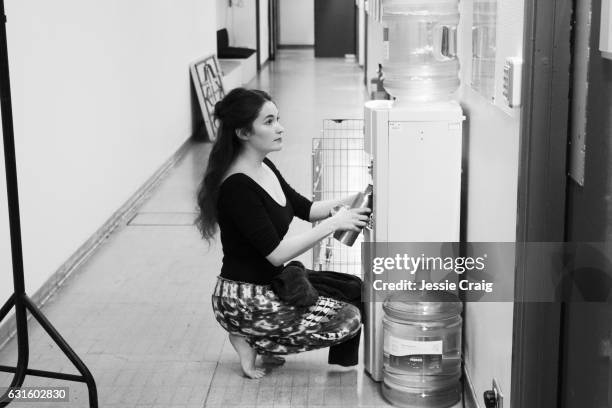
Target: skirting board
<point x="266" y="62"/>
<point x="85" y="251"/>
<point x="470" y="399"/>
<point x="294" y="46"/>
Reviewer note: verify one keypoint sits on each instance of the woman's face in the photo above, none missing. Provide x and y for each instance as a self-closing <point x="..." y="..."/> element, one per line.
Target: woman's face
<point x="267" y="132"/>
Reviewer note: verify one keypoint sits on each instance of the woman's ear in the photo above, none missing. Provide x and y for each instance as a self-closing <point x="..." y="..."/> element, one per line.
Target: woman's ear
<point x="242" y="134"/>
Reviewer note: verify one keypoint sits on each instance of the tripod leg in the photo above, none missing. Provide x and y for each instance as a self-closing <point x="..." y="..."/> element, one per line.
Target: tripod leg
<point x="7" y="306"/>
<point x="23" y="352"/>
<point x="63" y="345"/>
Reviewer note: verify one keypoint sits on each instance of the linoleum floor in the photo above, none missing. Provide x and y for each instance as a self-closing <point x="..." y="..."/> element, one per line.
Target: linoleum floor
<point x="138" y="312"/>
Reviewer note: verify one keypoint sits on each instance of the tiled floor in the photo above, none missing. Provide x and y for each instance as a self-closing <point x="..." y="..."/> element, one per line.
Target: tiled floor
<point x="138" y="312"/>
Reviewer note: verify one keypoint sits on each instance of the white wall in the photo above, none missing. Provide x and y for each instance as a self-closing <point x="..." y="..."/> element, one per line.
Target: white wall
<point x="264" y="31"/>
<point x="101" y="98"/>
<point x="243" y="25"/>
<point x="222" y="14"/>
<point x="492" y="159"/>
<point x="241" y="22"/>
<point x="374" y="41"/>
<point x="296" y="22"/>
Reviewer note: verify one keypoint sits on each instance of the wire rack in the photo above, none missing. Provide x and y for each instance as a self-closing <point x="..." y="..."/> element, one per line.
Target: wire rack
<point x="339" y="168"/>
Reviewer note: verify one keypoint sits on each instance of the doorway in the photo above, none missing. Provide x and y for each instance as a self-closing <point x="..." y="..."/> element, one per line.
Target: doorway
<point x="335" y="28"/>
<point x="586" y="327"/>
<point x="562" y="352"/>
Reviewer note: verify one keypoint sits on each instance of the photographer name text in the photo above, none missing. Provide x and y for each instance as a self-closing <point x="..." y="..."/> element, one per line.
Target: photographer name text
<point x="464" y="284"/>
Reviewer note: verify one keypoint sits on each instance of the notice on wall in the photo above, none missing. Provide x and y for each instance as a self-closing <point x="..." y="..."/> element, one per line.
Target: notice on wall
<point x="207" y="80"/>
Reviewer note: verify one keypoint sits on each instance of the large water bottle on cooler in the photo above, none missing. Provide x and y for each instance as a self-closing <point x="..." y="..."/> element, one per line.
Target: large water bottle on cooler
<point x="421" y="63"/>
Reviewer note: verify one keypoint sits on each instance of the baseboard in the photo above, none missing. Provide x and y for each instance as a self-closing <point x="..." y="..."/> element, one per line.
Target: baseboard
<point x="87" y="249"/>
<point x="262" y="66"/>
<point x="470" y="399"/>
<point x="294" y="46"/>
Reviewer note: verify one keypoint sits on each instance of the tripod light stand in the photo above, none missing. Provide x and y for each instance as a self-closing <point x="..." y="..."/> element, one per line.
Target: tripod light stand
<point x="19" y="298"/>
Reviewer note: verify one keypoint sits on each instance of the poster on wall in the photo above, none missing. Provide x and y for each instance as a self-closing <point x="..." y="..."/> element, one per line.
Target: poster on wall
<point x="207" y="80"/>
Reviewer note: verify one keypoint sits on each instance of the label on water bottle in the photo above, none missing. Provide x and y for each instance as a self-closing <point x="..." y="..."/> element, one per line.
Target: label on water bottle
<point x="402" y="347"/>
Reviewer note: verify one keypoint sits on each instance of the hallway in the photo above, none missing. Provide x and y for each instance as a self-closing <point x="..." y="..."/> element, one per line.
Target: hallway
<point x="138" y="311"/>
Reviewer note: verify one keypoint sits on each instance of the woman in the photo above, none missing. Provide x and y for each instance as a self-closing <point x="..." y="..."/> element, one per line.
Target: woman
<point x="246" y="196"/>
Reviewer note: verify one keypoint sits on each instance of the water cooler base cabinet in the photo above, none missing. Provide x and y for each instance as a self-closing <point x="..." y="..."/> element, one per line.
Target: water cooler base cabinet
<point x="416" y="173"/>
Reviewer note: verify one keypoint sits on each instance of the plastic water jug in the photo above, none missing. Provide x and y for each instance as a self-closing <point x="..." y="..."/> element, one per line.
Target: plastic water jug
<point x="422" y="349"/>
<point x="420" y="40"/>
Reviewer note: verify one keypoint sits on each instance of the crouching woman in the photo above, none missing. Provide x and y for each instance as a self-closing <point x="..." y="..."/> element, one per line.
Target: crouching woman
<point x="246" y="197"/>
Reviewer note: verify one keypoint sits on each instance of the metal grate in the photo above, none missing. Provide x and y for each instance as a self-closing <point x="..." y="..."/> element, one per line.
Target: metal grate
<point x="339" y="168"/>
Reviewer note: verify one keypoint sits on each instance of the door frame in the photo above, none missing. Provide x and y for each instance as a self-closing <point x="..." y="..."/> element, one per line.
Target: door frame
<point x="541" y="197"/>
<point x="365" y="52"/>
<point x="272" y="28"/>
<point x="257" y="35"/>
<point x="272" y="8"/>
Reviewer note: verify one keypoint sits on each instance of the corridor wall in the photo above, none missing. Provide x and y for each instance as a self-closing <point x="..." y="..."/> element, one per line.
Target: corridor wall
<point x="375" y="51"/>
<point x="490" y="165"/>
<point x="223" y="17"/>
<point x="101" y="99"/>
<point x="243" y="24"/>
<point x="296" y="22"/>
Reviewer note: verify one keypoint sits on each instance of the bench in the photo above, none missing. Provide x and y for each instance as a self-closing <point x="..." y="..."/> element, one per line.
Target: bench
<point x="232" y="74"/>
<point x="246" y="57"/>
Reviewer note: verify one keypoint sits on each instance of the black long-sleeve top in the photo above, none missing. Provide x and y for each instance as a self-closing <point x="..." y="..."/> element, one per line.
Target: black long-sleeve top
<point x="252" y="224"/>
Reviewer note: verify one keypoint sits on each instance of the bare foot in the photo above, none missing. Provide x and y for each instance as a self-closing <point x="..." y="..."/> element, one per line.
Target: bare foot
<point x="247" y="357"/>
<point x="272" y="359"/>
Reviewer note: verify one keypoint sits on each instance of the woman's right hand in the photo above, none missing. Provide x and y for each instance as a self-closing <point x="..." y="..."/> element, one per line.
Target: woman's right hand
<point x="351" y="219"/>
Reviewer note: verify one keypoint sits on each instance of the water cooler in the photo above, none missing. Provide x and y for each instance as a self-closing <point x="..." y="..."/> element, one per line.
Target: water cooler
<point x="414" y="141"/>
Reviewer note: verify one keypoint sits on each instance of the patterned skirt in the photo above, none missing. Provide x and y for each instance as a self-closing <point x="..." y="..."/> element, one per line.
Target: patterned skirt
<point x="272" y="326"/>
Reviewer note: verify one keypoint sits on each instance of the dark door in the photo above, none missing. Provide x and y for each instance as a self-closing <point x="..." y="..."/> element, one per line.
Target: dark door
<point x="586" y="352"/>
<point x="562" y="355"/>
<point x="335" y="29"/>
<point x="541" y="210"/>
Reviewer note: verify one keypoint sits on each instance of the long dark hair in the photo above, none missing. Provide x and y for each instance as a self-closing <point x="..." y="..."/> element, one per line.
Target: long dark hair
<point x="237" y="110"/>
